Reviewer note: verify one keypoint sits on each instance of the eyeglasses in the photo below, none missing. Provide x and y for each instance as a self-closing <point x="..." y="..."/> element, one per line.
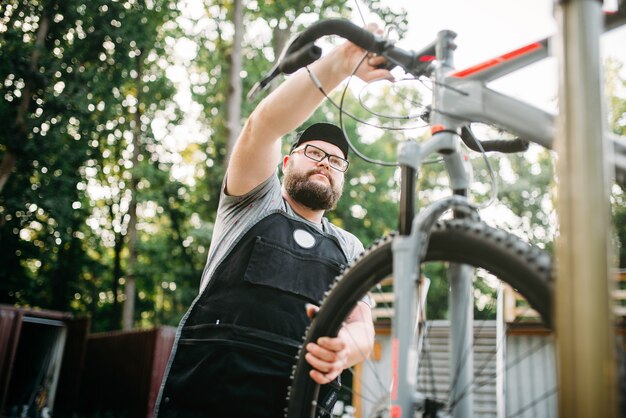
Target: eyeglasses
<point x="318" y="154"/>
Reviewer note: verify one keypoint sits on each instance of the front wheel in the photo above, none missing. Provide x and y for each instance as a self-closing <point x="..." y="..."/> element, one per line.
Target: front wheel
<point x="491" y="251"/>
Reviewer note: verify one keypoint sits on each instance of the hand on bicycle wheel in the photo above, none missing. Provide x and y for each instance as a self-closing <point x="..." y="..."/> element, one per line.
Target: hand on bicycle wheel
<point x="328" y="357"/>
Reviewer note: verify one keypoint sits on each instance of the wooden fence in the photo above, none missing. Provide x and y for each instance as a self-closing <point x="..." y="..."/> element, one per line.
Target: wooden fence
<point x="515" y="307"/>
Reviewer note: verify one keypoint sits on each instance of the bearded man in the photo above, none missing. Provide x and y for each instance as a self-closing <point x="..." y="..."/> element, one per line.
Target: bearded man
<point x="272" y="257"/>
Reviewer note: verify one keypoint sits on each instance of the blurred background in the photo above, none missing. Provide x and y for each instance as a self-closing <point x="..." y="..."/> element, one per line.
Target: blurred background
<point x="117" y="118"/>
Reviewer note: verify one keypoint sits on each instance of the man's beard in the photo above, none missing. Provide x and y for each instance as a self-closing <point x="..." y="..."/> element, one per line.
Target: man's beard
<point x="311" y="194"/>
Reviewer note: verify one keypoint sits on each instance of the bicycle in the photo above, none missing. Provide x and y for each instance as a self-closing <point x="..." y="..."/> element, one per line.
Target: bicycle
<point x="459" y="97"/>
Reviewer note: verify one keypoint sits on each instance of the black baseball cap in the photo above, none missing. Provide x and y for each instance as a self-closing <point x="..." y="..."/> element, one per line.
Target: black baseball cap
<point x="326" y="132"/>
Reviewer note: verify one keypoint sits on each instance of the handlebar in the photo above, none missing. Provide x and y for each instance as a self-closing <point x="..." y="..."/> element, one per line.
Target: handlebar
<point x="301" y="51"/>
<point x="344" y="28"/>
<point x="297" y="51"/>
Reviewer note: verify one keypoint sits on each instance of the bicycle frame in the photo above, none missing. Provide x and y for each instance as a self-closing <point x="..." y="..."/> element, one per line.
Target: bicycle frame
<point x="459" y="97"/>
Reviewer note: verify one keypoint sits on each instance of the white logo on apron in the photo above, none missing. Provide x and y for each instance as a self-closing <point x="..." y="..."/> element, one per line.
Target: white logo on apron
<point x="304" y="238"/>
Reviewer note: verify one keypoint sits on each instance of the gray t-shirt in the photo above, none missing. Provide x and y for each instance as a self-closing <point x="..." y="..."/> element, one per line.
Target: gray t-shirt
<point x="237" y="214"/>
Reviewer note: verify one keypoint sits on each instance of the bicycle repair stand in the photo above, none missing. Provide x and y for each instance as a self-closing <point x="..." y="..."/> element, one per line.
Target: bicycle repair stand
<point x="584" y="325"/>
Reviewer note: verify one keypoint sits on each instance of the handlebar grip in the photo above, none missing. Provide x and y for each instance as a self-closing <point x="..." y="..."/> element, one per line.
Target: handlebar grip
<point x="301" y="58"/>
<point x="343" y="28"/>
<point x="506" y="146"/>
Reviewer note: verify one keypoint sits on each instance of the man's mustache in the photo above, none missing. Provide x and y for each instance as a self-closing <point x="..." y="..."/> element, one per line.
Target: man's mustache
<point x="322" y="172"/>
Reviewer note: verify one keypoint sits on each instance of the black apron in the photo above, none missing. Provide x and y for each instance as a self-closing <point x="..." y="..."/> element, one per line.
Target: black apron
<point x="238" y="343"/>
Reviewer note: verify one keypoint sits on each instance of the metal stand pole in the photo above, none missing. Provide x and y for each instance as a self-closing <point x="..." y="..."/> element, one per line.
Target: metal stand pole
<point x="584" y="326"/>
<point x="461" y="302"/>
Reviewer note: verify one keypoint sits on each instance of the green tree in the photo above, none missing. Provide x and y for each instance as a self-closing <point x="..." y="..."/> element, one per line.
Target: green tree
<point x="617" y="109"/>
<point x="71" y="77"/>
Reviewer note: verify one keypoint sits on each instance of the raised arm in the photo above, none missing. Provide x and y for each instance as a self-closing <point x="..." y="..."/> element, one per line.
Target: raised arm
<point x="257" y="150"/>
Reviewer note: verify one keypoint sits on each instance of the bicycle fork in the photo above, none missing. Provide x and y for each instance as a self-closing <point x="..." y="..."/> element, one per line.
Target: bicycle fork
<point x="409" y="300"/>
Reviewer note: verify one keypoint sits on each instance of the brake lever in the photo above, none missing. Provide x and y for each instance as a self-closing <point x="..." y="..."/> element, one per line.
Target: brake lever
<point x="261" y="85"/>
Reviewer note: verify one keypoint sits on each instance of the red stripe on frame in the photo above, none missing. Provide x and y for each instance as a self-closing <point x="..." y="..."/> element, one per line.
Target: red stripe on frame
<point x="495" y="61"/>
<point x="396" y="411"/>
<point x="395" y="345"/>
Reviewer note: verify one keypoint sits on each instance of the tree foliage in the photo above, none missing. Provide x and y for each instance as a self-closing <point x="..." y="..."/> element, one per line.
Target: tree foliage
<point x="108" y="103"/>
<point x="616" y="92"/>
<point x="93" y="126"/>
<point x="80" y="79"/>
